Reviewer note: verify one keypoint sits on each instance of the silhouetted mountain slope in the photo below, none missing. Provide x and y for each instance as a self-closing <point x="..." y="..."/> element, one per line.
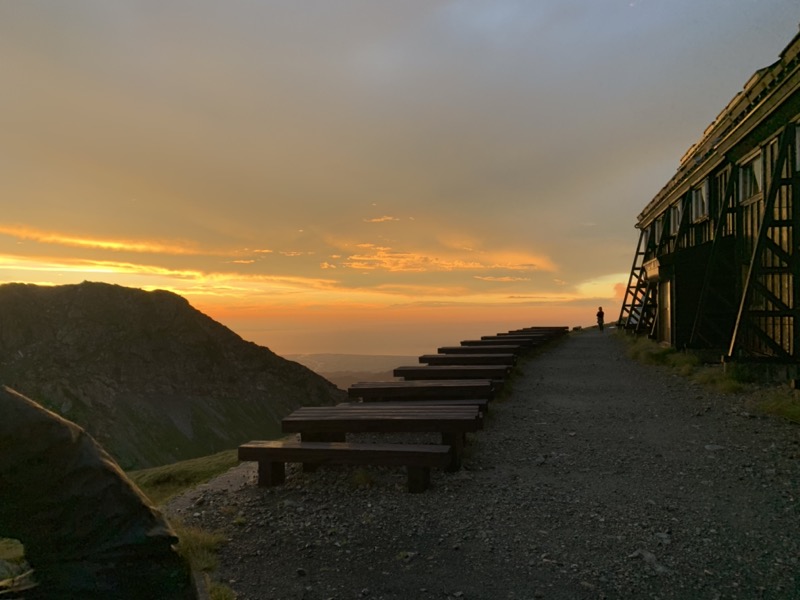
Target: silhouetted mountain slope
<point x="151" y="378"/>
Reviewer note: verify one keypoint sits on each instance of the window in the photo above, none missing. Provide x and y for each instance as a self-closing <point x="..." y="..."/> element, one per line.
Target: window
<point x="700" y="202"/>
<point x="675" y="214"/>
<point x="750" y="179"/>
<point x="659" y="227"/>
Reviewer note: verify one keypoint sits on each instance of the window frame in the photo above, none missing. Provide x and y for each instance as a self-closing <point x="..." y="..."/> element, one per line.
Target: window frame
<point x="675" y="217"/>
<point x="751" y="171"/>
<point x="700" y="204"/>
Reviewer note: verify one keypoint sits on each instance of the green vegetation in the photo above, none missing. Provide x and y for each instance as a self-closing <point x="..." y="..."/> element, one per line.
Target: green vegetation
<point x="218" y="591"/>
<point x="11" y="550"/>
<point x="755" y="382"/>
<point x="197" y="546"/>
<point x="782" y="402"/>
<point x="651" y="353"/>
<point x="18" y="576"/>
<point x="362" y="478"/>
<point x="162" y="483"/>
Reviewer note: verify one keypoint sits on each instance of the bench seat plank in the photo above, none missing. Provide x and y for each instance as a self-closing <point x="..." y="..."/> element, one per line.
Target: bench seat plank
<point x="482" y="349"/>
<point x="494" y="340"/>
<point x="422" y="389"/>
<point x="468" y="359"/>
<point x="385" y="420"/>
<point x="272" y="455"/>
<point x="411" y="373"/>
<point x="481" y="403"/>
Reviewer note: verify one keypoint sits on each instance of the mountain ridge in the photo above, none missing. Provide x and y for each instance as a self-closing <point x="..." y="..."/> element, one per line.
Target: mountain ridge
<point x="153" y="379"/>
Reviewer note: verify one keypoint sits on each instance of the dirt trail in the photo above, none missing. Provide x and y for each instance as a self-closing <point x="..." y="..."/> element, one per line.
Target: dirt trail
<point x="597" y="477"/>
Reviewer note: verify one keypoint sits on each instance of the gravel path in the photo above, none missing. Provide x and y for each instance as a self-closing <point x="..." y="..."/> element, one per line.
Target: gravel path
<point x="596" y="477"/>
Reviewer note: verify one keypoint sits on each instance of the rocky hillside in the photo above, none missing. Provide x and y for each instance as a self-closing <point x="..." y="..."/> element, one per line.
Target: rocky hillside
<point x="151" y="378"/>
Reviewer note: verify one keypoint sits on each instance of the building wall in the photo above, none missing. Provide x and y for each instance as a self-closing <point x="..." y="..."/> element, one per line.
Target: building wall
<point x="729" y="271"/>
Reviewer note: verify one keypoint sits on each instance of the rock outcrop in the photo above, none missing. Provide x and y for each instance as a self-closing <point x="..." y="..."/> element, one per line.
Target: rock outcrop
<point x="152" y="379"/>
<point x="88" y="532"/>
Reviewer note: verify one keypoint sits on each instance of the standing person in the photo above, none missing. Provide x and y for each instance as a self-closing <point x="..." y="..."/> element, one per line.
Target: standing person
<point x="600" y="317"/>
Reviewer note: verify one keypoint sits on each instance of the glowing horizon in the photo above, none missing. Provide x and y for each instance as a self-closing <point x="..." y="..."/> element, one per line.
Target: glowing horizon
<point x="362" y="175"/>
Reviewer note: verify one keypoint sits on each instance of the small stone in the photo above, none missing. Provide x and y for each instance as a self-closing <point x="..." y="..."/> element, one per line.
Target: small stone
<point x="664" y="538"/>
<point x="301" y="572"/>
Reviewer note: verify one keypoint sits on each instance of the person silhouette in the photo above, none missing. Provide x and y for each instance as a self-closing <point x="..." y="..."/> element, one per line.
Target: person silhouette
<point x="600" y="317"/>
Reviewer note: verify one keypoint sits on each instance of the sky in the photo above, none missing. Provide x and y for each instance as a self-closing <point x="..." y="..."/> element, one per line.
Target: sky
<point x="358" y="176"/>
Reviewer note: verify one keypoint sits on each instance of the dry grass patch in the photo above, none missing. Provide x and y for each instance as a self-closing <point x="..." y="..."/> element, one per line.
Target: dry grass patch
<point x="782" y="402"/>
<point x="197" y="546"/>
<point x="162" y="483"/>
<point x="753" y="381"/>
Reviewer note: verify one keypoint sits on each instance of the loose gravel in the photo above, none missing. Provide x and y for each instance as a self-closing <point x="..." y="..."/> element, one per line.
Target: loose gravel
<point x="595" y="477"/>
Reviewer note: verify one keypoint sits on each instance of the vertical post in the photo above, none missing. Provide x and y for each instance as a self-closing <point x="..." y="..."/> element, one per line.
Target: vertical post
<point x="419" y="479"/>
<point x="271" y="473"/>
<point x="766" y="222"/>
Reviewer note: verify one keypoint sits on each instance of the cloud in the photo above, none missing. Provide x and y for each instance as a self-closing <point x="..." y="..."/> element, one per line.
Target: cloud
<point x="383" y="219"/>
<point x="505" y="279"/>
<point x="63" y="239"/>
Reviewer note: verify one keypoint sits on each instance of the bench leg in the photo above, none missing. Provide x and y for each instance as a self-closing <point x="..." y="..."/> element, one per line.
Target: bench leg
<point x="419" y="479"/>
<point x="456" y="442"/>
<point x="271" y="473"/>
<point x="320" y="436"/>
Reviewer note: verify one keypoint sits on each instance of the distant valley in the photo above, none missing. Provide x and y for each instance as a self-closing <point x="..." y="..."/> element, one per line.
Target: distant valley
<point x="343" y="370"/>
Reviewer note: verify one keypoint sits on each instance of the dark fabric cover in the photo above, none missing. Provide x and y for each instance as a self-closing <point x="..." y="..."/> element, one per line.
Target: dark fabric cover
<point x="88" y="531"/>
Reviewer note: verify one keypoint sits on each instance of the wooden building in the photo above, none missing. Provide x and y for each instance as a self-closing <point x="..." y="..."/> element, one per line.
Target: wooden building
<point x="717" y="264"/>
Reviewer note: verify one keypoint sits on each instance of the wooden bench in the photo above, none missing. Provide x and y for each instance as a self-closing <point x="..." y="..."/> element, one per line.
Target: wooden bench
<point x="547" y="332"/>
<point x="484" y="344"/>
<point x="468" y="359"/>
<point x="481" y="403"/>
<point x="333" y="423"/>
<point x="522" y="340"/>
<point x="452" y="372"/>
<point x="554" y="329"/>
<point x="442" y="389"/>
<point x="273" y="455"/>
<point x="482" y="349"/>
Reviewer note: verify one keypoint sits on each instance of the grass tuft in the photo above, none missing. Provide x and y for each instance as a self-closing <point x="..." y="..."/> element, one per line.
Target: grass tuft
<point x="719" y="380"/>
<point x="198" y="546"/>
<point x="362" y="478"/>
<point x="218" y="591"/>
<point x="11" y="550"/>
<point x="782" y="402"/>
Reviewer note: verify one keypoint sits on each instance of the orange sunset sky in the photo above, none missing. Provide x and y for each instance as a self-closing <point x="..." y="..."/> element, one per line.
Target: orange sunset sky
<point x="358" y="176"/>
